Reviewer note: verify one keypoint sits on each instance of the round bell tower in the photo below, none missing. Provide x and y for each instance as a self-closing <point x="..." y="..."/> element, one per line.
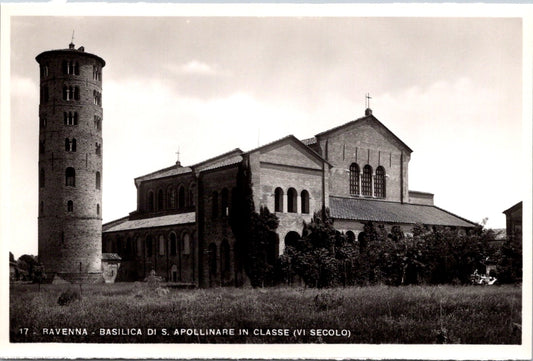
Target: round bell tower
<point x="70" y="164"/>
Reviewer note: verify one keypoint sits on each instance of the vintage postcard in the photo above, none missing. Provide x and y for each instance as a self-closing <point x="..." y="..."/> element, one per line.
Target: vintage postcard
<point x="266" y="181"/>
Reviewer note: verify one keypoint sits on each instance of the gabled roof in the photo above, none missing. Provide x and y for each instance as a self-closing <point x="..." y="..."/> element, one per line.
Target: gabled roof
<point x="165" y="172"/>
<point x="359" y="120"/>
<point x="231" y="157"/>
<point x="360" y="209"/>
<point x="296" y="141"/>
<point x="160" y="221"/>
<point x="513" y="208"/>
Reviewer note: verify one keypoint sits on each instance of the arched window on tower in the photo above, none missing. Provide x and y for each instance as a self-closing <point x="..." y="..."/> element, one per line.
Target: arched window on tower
<point x="77" y="68"/>
<point x="354" y="179"/>
<point x="292" y="198"/>
<point x="76" y="93"/>
<point x="305" y="201"/>
<point x="73" y="145"/>
<point x="70" y="177"/>
<point x="70" y="206"/>
<point x="379" y="183"/>
<point x="366" y="181"/>
<point x="278" y="200"/>
<point x="98" y="180"/>
<point x="97" y="209"/>
<point x="67" y="145"/>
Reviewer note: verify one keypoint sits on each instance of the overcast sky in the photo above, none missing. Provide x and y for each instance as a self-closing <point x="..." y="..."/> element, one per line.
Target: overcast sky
<point x="450" y="88"/>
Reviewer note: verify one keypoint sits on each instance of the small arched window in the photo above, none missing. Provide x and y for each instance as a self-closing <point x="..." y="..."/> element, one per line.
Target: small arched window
<point x="76" y="93"/>
<point x="192" y="189"/>
<point x="70" y="206"/>
<point x="41" y="178"/>
<point x="70" y="177"/>
<point x="150" y="201"/>
<point x="181" y="197"/>
<point x="77" y="68"/>
<point x="186" y="249"/>
<point x="73" y="145"/>
<point x="305" y="201"/>
<point x="173" y="244"/>
<point x="161" y="245"/>
<point x="214" y="205"/>
<point x="379" y="183"/>
<point x="292" y="197"/>
<point x="160" y="200"/>
<point x="366" y="181"/>
<point x="354" y="179"/>
<point x="171" y="197"/>
<point x="278" y="200"/>
<point x="98" y="209"/>
<point x="67" y="145"/>
<point x="98" y="180"/>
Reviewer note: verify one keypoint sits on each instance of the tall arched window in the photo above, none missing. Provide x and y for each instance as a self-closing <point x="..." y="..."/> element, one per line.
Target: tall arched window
<point x="150" y="201"/>
<point x="70" y="177"/>
<point x="305" y="201"/>
<point x="70" y="206"/>
<point x="224" y="200"/>
<point x="214" y="205"/>
<point x="292" y="200"/>
<point x="161" y="245"/>
<point x="160" y="200"/>
<point x="173" y="244"/>
<point x="41" y="178"/>
<point x="181" y="197"/>
<point x="98" y="180"/>
<point x="140" y="248"/>
<point x="149" y="246"/>
<point x="171" y="197"/>
<point x="278" y="200"/>
<point x="67" y="145"/>
<point x="98" y="209"/>
<point x="186" y="249"/>
<point x="354" y="179"/>
<point x="366" y="181"/>
<point x="379" y="183"/>
<point x="73" y="145"/>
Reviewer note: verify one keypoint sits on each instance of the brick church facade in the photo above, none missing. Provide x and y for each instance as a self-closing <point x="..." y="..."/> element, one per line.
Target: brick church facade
<point x="181" y="229"/>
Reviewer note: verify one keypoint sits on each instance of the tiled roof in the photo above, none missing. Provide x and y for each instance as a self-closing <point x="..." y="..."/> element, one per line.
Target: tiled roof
<point x="161" y="221"/>
<point x="224" y="162"/>
<point x="165" y="172"/>
<point x="393" y="212"/>
<point x="110" y="257"/>
<point x="309" y="141"/>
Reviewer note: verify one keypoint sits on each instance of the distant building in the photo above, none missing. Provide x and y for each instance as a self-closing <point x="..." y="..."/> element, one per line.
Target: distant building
<point x="181" y="230"/>
<point x="513" y="226"/>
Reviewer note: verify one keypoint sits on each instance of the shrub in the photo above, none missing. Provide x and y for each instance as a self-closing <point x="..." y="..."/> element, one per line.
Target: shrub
<point x="67" y="297"/>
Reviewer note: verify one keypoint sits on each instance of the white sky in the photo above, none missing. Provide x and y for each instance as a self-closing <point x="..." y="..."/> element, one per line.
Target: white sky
<point x="450" y="88"/>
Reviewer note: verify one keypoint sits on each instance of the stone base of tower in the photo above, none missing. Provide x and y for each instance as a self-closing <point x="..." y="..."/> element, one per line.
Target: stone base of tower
<point x="76" y="278"/>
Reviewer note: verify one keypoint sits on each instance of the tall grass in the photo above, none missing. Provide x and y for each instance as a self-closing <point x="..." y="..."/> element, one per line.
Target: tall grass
<point x="379" y="314"/>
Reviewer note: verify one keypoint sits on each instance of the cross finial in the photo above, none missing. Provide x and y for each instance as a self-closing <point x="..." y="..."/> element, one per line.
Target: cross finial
<point x="72" y="41"/>
<point x="368" y="97"/>
<point x="178" y="154"/>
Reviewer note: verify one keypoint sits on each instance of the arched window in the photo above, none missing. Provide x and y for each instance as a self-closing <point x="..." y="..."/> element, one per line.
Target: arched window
<point x="181" y="197"/>
<point x="214" y="205"/>
<point x="150" y="201"/>
<point x="149" y="246"/>
<point x="305" y="201"/>
<point x="140" y="248"/>
<point x="278" y="200"/>
<point x="171" y="197"/>
<point x="186" y="249"/>
<point x="41" y="178"/>
<point x="173" y="244"/>
<point x="77" y="68"/>
<point x="75" y="118"/>
<point x="161" y="245"/>
<point x="292" y="200"/>
<point x="76" y="93"/>
<point x="97" y="209"/>
<point x="192" y="188"/>
<point x="354" y="179"/>
<point x="70" y="206"/>
<point x="224" y="195"/>
<point x="160" y="200"/>
<point x="73" y="145"/>
<point x="67" y="145"/>
<point x="98" y="180"/>
<point x="70" y="177"/>
<point x="366" y="181"/>
<point x="379" y="183"/>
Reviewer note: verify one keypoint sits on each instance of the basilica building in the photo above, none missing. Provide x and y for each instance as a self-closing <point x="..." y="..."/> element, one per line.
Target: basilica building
<point x="180" y="229"/>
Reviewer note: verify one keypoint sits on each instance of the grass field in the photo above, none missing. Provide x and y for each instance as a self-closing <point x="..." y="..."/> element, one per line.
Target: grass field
<point x="129" y="312"/>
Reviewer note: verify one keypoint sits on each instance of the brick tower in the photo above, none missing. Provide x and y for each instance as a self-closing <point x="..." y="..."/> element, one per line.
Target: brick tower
<point x="70" y="164"/>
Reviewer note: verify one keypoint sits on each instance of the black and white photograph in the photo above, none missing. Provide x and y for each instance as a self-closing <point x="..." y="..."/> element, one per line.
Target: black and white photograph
<point x="266" y="180"/>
